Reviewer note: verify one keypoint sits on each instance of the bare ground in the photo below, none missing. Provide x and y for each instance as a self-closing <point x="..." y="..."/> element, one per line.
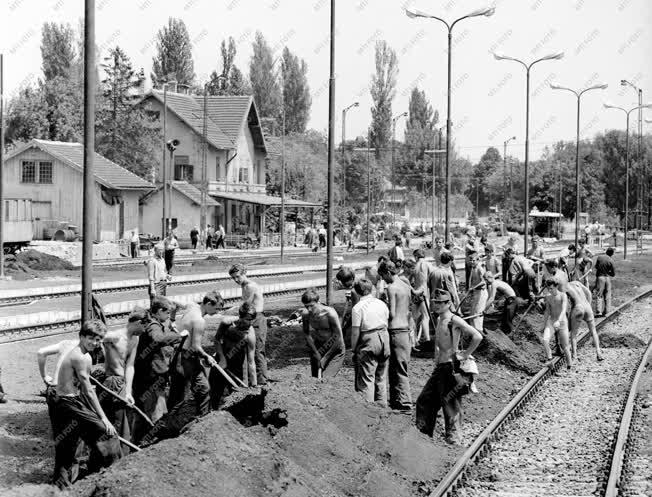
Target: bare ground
<point x="304" y="438"/>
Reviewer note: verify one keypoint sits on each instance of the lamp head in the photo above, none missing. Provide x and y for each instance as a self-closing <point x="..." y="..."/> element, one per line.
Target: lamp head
<point x="487" y="12"/>
<point x="602" y="86"/>
<point x="554" y="56"/>
<point x="172" y="144"/>
<point x="356" y="104"/>
<point x="414" y="13"/>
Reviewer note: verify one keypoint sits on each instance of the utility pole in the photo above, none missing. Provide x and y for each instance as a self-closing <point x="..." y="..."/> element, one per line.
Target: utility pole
<point x="2" y="167"/>
<point x="204" y="165"/>
<point x="89" y="155"/>
<point x="331" y="157"/>
<point x="165" y="174"/>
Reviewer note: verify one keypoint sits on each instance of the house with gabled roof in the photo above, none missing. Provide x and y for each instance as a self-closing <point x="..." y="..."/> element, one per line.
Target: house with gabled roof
<point x="50" y="173"/>
<point x="235" y="161"/>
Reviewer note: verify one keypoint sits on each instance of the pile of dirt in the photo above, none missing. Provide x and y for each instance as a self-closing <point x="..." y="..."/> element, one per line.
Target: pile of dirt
<point x="612" y="340"/>
<point x="35" y="260"/>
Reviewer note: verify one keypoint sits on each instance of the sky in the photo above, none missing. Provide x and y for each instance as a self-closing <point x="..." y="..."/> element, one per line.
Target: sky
<point x="603" y="41"/>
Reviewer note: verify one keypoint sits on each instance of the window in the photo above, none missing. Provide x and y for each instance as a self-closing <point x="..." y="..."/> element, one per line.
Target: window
<point x="182" y="170"/>
<point x="218" y="168"/>
<point x="36" y="172"/>
<point x="243" y="175"/>
<point x="45" y="172"/>
<point x="28" y="172"/>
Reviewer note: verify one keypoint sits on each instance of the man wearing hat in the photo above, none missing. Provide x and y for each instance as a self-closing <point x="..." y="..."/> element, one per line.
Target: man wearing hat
<point x="157" y="273"/>
<point x="537" y="255"/>
<point x="399" y="294"/>
<point x="448" y="382"/>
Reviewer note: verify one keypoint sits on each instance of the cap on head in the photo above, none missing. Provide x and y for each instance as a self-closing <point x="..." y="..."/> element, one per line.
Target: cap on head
<point x="551" y="263"/>
<point x="509" y="251"/>
<point x="489" y="248"/>
<point x="441" y="296"/>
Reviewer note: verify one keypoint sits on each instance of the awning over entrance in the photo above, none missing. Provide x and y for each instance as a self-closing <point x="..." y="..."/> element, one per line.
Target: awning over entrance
<point x="262" y="199"/>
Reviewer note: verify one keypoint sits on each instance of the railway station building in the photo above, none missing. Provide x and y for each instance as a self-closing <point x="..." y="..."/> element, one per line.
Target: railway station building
<point x="235" y="164"/>
<point x="50" y="173"/>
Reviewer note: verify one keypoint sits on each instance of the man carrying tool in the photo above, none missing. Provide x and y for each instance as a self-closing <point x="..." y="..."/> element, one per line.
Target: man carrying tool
<point x="581" y="310"/>
<point x="157" y="273"/>
<point x="152" y="364"/>
<point x="76" y="412"/>
<point x="370" y="344"/>
<point x="555" y="321"/>
<point x="551" y="270"/>
<point x="120" y="348"/>
<point x="253" y="293"/>
<point x="604" y="271"/>
<point x="190" y="378"/>
<point x="478" y="292"/>
<point x="522" y="275"/>
<point x="399" y="295"/>
<point x="447" y="384"/>
<point x="510" y="304"/>
<point x="321" y="327"/>
<point x="235" y="345"/>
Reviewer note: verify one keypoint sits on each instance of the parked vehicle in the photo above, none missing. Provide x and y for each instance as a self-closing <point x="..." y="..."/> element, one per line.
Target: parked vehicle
<point x="18" y="224"/>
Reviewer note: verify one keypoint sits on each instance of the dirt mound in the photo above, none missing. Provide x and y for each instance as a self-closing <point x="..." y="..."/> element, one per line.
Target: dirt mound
<point x="499" y="348"/>
<point x="35" y="260"/>
<point x="31" y="490"/>
<point x="620" y="340"/>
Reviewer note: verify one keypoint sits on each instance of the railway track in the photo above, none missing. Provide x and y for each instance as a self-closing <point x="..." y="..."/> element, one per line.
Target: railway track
<point x="18" y="334"/>
<point x="565" y="432"/>
<point x="34" y="295"/>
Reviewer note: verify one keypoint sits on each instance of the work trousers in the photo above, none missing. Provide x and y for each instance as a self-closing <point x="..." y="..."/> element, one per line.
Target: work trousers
<point x="220" y="242"/>
<point x="134" y="250"/>
<point x="467" y="272"/>
<point x="400" y="396"/>
<point x="190" y="384"/>
<point x="73" y="420"/>
<point x="478" y="303"/>
<point x="161" y="289"/>
<point x="603" y="291"/>
<point x="115" y="409"/>
<point x="509" y="311"/>
<point x="193" y="242"/>
<point x="151" y="398"/>
<point x="373" y="359"/>
<point x="525" y="284"/>
<point x="332" y="358"/>
<point x="260" y="329"/>
<point x="507" y="277"/>
<point x="235" y="354"/>
<point x="441" y="391"/>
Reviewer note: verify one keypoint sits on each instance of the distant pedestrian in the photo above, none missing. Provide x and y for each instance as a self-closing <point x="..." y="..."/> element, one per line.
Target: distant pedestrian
<point x="221" y="236"/>
<point x="170" y="244"/>
<point x="194" y="237"/>
<point x="209" y="237"/>
<point x="135" y="241"/>
<point x="604" y="271"/>
<point x="396" y="254"/>
<point x="157" y="273"/>
<point x="322" y="237"/>
<point x="470" y="249"/>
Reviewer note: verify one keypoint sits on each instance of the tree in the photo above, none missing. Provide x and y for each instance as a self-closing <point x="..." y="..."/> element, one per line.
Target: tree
<point x="414" y="165"/>
<point x="26" y="116"/>
<point x="264" y="83"/>
<point x="173" y="60"/>
<point x="383" y="90"/>
<point x="124" y="132"/>
<point x="230" y="81"/>
<point x="296" y="93"/>
<point x="57" y="50"/>
<point x="482" y="174"/>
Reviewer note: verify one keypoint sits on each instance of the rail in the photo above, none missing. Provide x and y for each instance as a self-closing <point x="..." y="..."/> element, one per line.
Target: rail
<point x="481" y="444"/>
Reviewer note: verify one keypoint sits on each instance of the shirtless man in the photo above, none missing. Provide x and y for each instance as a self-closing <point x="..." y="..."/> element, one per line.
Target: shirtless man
<point x="580" y="310"/>
<point x="555" y="321"/>
<point x="120" y="347"/>
<point x="190" y="378"/>
<point x="253" y="293"/>
<point x="76" y="411"/>
<point x="346" y="278"/>
<point x="551" y="270"/>
<point x="442" y="391"/>
<point x="470" y="249"/>
<point x="235" y="346"/>
<point x="438" y="250"/>
<point x="490" y="260"/>
<point x="422" y="272"/>
<point x="321" y="327"/>
<point x="399" y="294"/>
<point x="61" y="349"/>
<point x="509" y="308"/>
<point x="478" y="289"/>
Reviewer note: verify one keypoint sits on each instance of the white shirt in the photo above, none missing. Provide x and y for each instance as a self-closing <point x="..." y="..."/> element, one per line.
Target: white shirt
<point x="370" y="313"/>
<point x="135" y="238"/>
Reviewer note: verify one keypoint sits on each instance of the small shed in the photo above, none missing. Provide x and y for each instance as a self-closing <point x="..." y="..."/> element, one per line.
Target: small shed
<point x="51" y="174"/>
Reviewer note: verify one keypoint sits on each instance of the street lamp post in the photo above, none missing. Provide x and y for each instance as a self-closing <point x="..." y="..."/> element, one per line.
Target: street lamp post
<point x="331" y="160"/>
<point x="344" y="111"/>
<point x="639" y="195"/>
<point x="627" y="113"/>
<point x="578" y="94"/>
<point x="396" y="118"/>
<point x="487" y="12"/>
<point x="432" y="199"/>
<point x="282" y="214"/>
<point x="526" y="202"/>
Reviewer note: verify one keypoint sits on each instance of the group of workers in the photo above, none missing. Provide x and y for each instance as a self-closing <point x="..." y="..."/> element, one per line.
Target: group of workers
<point x="157" y="374"/>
